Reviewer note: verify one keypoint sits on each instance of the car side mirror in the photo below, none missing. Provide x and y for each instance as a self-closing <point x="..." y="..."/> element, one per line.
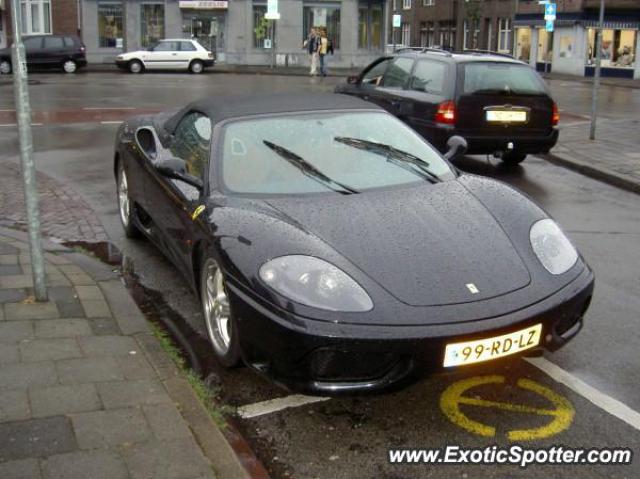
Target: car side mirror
<point x="176" y="169"/>
<point x="352" y="80"/>
<point x="457" y="146"/>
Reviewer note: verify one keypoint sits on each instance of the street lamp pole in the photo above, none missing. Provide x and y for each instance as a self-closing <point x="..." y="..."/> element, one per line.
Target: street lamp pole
<point x="23" y="115"/>
<point x="596" y="76"/>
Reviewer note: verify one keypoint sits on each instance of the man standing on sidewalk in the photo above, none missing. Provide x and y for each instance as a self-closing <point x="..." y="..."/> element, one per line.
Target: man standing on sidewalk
<point x="312" y="44"/>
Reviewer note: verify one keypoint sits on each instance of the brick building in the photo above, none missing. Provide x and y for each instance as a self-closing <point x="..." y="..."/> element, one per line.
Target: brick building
<point x="40" y="17"/>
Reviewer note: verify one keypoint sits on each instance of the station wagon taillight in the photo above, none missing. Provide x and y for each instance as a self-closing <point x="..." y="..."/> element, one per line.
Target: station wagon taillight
<point x="555" y="116"/>
<point x="446" y="113"/>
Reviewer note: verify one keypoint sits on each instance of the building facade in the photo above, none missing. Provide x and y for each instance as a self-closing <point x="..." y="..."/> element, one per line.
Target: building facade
<point x="236" y="30"/>
<point x="571" y="47"/>
<point x="455" y="24"/>
<point x="40" y="17"/>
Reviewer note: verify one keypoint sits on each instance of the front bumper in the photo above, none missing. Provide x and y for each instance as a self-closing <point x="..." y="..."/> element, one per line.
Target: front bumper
<point x="208" y="63"/>
<point x="122" y="64"/>
<point x="324" y="358"/>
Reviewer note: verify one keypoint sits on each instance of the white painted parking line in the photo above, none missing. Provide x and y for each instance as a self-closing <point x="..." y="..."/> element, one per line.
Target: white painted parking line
<point x="600" y="399"/>
<point x="109" y="108"/>
<point x="111" y="122"/>
<point x="278" y="404"/>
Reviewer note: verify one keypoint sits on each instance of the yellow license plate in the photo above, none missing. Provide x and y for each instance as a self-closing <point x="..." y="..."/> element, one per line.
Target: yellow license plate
<point x="507" y="116"/>
<point x="469" y="352"/>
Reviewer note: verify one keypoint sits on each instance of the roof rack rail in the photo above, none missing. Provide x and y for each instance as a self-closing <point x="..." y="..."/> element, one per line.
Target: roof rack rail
<point x="485" y="52"/>
<point x="423" y="50"/>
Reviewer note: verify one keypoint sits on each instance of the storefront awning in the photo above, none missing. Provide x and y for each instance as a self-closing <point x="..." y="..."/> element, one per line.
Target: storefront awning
<point x="204" y="4"/>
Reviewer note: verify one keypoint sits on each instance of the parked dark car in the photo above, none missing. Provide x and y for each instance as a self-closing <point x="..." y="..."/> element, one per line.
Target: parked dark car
<point x="335" y="250"/>
<point x="65" y="52"/>
<point x="501" y="106"/>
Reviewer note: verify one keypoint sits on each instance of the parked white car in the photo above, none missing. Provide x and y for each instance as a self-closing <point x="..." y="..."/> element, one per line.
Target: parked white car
<point x="169" y="54"/>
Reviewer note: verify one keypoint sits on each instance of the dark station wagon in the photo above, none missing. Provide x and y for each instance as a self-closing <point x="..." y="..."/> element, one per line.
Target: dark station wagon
<point x="501" y="106"/>
<point x="64" y="52"/>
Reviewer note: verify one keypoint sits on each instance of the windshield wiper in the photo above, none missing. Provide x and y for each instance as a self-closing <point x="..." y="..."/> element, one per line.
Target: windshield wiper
<point x="309" y="170"/>
<point x="393" y="155"/>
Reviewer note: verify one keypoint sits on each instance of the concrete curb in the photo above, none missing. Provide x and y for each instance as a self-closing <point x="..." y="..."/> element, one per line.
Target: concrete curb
<point x="212" y="442"/>
<point x="607" y="176"/>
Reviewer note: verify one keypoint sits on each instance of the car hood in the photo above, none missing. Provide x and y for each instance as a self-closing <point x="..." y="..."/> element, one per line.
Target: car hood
<point x="429" y="245"/>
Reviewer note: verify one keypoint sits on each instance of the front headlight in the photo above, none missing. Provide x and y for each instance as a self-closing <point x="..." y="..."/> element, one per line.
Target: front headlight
<point x="316" y="283"/>
<point x="552" y="247"/>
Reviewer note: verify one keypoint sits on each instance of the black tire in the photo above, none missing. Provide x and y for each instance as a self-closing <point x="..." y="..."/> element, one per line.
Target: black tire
<point x="228" y="356"/>
<point x="196" y="67"/>
<point x="5" y="67"/>
<point x="136" y="66"/>
<point x="125" y="213"/>
<point x="513" y="158"/>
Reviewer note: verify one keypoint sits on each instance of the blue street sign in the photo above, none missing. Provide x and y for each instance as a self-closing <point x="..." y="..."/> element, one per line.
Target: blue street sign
<point x="550" y="11"/>
<point x="549" y="25"/>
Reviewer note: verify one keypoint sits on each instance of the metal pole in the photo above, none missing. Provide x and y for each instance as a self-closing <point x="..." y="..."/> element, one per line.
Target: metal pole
<point x="23" y="114"/>
<point x="596" y="76"/>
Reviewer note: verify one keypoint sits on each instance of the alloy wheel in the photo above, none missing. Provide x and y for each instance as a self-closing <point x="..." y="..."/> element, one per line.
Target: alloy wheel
<point x="123" y="197"/>
<point x="216" y="309"/>
<point x="69" y="66"/>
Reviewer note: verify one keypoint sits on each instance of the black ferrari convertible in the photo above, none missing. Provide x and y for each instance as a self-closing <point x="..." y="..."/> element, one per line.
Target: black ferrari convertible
<point x="335" y="250"/>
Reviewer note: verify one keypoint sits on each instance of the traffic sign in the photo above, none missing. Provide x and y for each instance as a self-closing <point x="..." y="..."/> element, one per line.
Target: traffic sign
<point x="397" y="21"/>
<point x="549" y="25"/>
<point x="550" y="10"/>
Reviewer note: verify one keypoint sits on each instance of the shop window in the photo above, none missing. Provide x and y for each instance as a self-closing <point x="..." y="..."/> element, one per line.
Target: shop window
<point x="152" y="23"/>
<point x="326" y="18"/>
<point x="370" y="26"/>
<point x="406" y="34"/>
<point x="36" y="16"/>
<point x="545" y="41"/>
<point x="504" y="35"/>
<point x="618" y="48"/>
<point x="523" y="44"/>
<point x="263" y="29"/>
<point x="110" y="25"/>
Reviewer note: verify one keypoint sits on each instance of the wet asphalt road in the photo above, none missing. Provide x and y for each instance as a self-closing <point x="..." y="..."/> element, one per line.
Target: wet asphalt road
<point x="347" y="438"/>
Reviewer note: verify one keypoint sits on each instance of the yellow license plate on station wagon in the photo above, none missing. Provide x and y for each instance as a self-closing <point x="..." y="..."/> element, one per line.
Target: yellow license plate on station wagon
<point x="507" y="116"/>
<point x="469" y="352"/>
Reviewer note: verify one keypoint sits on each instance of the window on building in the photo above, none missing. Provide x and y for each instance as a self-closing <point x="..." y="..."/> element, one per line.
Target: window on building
<point x="370" y="25"/>
<point x="325" y="17"/>
<point x="263" y="29"/>
<point x="504" y="35"/>
<point x="471" y="34"/>
<point x="406" y="4"/>
<point x="395" y="5"/>
<point x="428" y="3"/>
<point x="447" y="35"/>
<point x="151" y="23"/>
<point x="618" y="48"/>
<point x="406" y="34"/>
<point x="110" y="25"/>
<point x="36" y="16"/>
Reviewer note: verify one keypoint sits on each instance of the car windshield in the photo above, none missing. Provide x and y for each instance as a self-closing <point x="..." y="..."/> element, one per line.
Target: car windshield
<point x="501" y="78"/>
<point x="342" y="153"/>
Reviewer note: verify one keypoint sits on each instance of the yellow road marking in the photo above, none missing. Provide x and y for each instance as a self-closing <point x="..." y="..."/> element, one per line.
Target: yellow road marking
<point x="452" y="397"/>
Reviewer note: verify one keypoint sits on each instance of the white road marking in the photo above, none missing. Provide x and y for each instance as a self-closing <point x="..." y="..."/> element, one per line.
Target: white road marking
<point x="274" y="405"/>
<point x="111" y="122"/>
<point x="600" y="399"/>
<point x="109" y="108"/>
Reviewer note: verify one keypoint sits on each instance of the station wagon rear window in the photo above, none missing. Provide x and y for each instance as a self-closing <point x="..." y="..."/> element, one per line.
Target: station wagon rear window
<point x="501" y="78"/>
<point x="429" y="76"/>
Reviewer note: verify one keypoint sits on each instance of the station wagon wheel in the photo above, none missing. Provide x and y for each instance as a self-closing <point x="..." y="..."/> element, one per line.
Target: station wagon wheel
<point x="196" y="66"/>
<point x="219" y="319"/>
<point x="69" y="66"/>
<point x="135" y="66"/>
<point x="5" y="67"/>
<point x="124" y="204"/>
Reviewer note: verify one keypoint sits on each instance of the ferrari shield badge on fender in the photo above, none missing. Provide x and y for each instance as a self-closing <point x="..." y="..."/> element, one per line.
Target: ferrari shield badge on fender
<point x="197" y="212"/>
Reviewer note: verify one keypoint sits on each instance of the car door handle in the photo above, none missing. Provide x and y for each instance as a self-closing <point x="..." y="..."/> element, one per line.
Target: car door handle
<point x="174" y="54"/>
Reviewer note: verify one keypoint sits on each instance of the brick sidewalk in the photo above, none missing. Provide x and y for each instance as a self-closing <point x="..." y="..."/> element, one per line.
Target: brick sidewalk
<point x="614" y="157"/>
<point x="85" y="389"/>
<point x="63" y="213"/>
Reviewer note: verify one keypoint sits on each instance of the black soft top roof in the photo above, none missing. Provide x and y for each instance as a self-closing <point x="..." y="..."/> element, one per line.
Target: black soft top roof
<point x="220" y="108"/>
